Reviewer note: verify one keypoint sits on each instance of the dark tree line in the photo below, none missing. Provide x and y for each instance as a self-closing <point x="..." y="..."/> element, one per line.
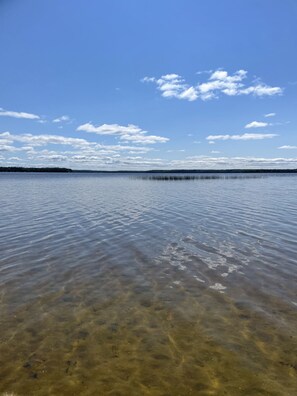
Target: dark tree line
<point x="191" y="171"/>
<point x="22" y="169"/>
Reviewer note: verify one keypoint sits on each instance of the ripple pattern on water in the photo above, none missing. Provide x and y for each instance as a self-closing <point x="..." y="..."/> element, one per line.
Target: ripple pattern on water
<point x="128" y="286"/>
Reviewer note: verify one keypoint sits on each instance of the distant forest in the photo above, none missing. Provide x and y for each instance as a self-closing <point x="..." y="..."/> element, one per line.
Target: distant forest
<point x="21" y="169"/>
<point x="67" y="170"/>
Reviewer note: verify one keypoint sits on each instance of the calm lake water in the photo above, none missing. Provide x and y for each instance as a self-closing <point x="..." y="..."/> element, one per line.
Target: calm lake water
<point x="117" y="285"/>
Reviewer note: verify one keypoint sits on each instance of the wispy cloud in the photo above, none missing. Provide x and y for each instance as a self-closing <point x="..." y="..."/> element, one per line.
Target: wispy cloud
<point x="244" y="136"/>
<point x="207" y="162"/>
<point x="256" y="124"/>
<point x="130" y="133"/>
<point x="204" y="72"/>
<point x="269" y="115"/>
<point x="261" y="90"/>
<point x="41" y="140"/>
<point x="220" y="82"/>
<point x="288" y="147"/>
<point x="18" y="114"/>
<point x="63" y="118"/>
<point x="14" y="159"/>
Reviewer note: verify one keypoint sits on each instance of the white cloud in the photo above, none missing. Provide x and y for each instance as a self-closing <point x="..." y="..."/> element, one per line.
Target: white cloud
<point x="129" y="133"/>
<point x="207" y="162"/>
<point x="4" y="140"/>
<point x="17" y="114"/>
<point x="262" y="90"/>
<point x="148" y="79"/>
<point x="135" y="149"/>
<point x="204" y="72"/>
<point x="256" y="124"/>
<point x="14" y="159"/>
<point x="173" y="86"/>
<point x="219" y="82"/>
<point x="33" y="142"/>
<point x="41" y="140"/>
<point x="288" y="147"/>
<point x="54" y="157"/>
<point x="101" y="159"/>
<point x="63" y="118"/>
<point x="244" y="136"/>
<point x="8" y="148"/>
<point x="269" y="115"/>
<point x="189" y="94"/>
<point x="215" y="152"/>
<point x="110" y="129"/>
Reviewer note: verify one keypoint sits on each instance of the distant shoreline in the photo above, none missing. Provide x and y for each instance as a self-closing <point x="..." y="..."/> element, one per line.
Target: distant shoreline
<point x="68" y="170"/>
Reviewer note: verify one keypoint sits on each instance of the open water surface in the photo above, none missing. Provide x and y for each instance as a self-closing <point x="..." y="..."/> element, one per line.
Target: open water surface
<point x="119" y="285"/>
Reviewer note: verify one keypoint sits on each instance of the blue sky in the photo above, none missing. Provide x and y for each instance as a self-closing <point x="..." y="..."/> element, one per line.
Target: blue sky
<point x="138" y="84"/>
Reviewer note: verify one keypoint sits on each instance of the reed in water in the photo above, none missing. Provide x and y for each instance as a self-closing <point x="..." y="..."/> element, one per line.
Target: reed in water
<point x="191" y="177"/>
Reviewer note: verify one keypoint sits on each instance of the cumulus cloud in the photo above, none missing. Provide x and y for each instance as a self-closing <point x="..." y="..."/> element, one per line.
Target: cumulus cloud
<point x="130" y="133"/>
<point x="244" y="136"/>
<point x="18" y="114"/>
<point x="288" y="147"/>
<point x="269" y="115"/>
<point x="172" y="85"/>
<point x="256" y="124"/>
<point x="219" y="82"/>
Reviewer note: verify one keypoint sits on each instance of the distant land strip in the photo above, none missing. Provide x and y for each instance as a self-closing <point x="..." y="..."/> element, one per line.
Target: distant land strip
<point x="23" y="169"/>
<point x="68" y="170"/>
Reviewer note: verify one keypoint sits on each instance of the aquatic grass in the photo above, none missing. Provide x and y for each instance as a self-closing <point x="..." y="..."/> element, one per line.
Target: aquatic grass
<point x="191" y="177"/>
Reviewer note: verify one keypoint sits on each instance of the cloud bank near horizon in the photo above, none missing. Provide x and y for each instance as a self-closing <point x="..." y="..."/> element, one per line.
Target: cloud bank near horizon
<point x="78" y="153"/>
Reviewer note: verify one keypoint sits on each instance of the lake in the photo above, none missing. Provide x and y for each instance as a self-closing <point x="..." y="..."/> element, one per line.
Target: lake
<point x="114" y="284"/>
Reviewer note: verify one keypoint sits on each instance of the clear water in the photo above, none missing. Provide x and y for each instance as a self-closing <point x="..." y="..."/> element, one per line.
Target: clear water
<point x="115" y="285"/>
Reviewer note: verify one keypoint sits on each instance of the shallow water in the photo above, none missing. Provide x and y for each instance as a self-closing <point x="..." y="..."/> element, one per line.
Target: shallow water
<point x="116" y="285"/>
